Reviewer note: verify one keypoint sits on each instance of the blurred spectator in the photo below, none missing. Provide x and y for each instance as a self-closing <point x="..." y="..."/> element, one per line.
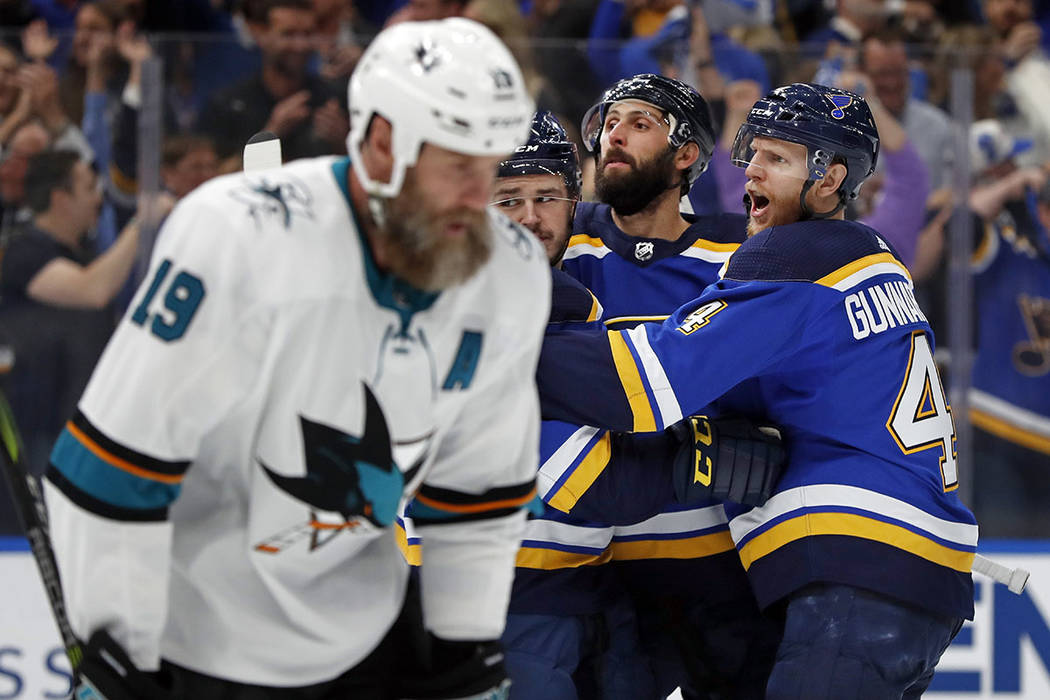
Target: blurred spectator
<point x="976" y="48"/>
<point x="91" y="55"/>
<point x="1010" y="398"/>
<point x="1028" y="73"/>
<point x="39" y="98"/>
<point x="54" y="295"/>
<point x="852" y="21"/>
<point x="187" y="161"/>
<point x="10" y="91"/>
<point x="343" y="36"/>
<point x="884" y="59"/>
<point x="306" y="112"/>
<point x="30" y="138"/>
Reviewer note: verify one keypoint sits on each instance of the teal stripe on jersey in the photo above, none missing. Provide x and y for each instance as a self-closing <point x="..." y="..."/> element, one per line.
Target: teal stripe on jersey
<point x="105" y="482"/>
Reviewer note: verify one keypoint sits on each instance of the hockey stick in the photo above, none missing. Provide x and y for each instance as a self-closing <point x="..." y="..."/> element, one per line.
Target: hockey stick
<point x="29" y="504"/>
<point x="262" y="151"/>
<point x="1014" y="579"/>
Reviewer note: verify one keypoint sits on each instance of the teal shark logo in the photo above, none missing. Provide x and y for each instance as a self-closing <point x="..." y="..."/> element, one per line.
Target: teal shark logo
<point x="352" y="476"/>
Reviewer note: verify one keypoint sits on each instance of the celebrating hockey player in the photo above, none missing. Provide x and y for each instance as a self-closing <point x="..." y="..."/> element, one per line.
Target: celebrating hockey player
<point x="315" y="344"/>
<point x="814" y="325"/>
<point x="591" y="476"/>
<point x="652" y="137"/>
<point x="571" y="629"/>
<point x="539" y="185"/>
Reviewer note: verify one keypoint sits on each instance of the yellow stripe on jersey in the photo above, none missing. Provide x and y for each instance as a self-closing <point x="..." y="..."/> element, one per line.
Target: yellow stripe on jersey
<point x="644" y="419"/>
<point x="715" y="247"/>
<point x="853" y="525"/>
<point x="589" y="469"/>
<point x="988" y="235"/>
<point x="412" y="553"/>
<point x="550" y="559"/>
<point x="596" y="309"/>
<point x="999" y="427"/>
<point x="124" y="183"/>
<point x="584" y="239"/>
<point x="633" y="319"/>
<point x="115" y="461"/>
<point x="856" y="266"/>
<point x="687" y="548"/>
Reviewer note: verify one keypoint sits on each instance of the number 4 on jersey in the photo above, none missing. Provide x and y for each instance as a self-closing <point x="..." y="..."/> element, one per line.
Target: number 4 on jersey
<point x="921" y="418"/>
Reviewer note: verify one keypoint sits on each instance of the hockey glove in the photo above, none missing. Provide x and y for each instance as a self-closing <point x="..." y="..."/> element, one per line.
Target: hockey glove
<point x="459" y="671"/>
<point x="106" y="673"/>
<point x="727" y="459"/>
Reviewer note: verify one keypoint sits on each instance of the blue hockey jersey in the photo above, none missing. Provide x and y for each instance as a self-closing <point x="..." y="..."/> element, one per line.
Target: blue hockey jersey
<point x="636" y="279"/>
<point x="1011" y="374"/>
<point x="815" y="327"/>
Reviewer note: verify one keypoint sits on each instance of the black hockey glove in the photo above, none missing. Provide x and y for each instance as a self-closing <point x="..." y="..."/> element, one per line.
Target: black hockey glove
<point x="728" y="459"/>
<point x="106" y="673"/>
<point x="459" y="671"/>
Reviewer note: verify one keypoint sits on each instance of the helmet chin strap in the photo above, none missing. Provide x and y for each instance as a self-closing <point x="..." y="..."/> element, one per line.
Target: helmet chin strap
<point x="810" y="215"/>
<point x="377" y="208"/>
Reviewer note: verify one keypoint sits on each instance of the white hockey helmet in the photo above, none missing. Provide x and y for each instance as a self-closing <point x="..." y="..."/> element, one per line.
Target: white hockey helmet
<point x="451" y="83"/>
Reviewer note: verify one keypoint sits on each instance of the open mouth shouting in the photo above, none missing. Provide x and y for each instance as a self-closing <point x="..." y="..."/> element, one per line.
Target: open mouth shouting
<point x="758" y="204"/>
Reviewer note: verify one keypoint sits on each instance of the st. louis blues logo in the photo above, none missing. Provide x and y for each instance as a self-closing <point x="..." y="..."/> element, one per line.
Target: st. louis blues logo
<point x="841" y="102"/>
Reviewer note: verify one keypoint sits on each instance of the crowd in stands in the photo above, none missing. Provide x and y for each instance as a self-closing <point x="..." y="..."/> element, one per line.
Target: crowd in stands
<point x="72" y="102"/>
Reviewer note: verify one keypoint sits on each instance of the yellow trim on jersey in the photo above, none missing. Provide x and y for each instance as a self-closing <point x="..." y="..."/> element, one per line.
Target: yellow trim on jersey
<point x="634" y="319"/>
<point x="853" y="525"/>
<point x="687" y="548"/>
<point x="997" y="426"/>
<point x="589" y="469"/>
<point x="584" y="239"/>
<point x="987" y="233"/>
<point x="411" y="553"/>
<point x="122" y="464"/>
<point x="845" y="271"/>
<point x="633" y="388"/>
<point x="549" y="559"/>
<point x="595" y="311"/>
<point x="715" y="247"/>
<point x="124" y="183"/>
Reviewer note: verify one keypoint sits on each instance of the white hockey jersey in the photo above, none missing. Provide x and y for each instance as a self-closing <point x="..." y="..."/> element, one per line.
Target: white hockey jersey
<point x="224" y="496"/>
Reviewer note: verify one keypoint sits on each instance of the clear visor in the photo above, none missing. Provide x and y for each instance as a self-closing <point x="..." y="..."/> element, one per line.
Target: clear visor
<point x="631" y="114"/>
<point x="541" y="202"/>
<point x="774" y="157"/>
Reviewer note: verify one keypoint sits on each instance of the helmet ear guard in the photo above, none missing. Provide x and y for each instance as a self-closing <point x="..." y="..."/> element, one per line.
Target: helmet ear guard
<point x="451" y="83"/>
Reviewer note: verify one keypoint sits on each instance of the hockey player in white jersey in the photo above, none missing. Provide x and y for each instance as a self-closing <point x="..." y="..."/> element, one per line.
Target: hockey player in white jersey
<point x="313" y="346"/>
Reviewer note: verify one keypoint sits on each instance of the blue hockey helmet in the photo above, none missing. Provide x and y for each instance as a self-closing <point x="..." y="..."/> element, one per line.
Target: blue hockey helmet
<point x="547" y="152"/>
<point x="685" y="110"/>
<point x="834" y="125"/>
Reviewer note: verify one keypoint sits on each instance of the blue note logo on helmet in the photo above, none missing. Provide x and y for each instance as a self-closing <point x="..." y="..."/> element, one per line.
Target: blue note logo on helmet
<point x="834" y="125"/>
<point x="547" y="152"/>
<point x="686" y="112"/>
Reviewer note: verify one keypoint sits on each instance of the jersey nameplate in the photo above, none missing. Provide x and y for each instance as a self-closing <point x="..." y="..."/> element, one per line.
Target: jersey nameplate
<point x="881" y="307"/>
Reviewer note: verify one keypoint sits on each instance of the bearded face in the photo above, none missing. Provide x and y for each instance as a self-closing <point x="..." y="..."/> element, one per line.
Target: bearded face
<point x="430" y="248"/>
<point x="629" y="186"/>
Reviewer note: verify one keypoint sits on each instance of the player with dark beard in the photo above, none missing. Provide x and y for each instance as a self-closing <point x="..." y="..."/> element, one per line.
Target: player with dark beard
<point x="651" y="137"/>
